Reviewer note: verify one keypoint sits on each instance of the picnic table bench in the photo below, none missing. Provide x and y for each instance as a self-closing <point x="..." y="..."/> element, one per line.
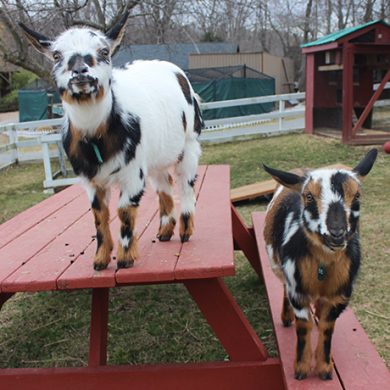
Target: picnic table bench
<point x="51" y="247"/>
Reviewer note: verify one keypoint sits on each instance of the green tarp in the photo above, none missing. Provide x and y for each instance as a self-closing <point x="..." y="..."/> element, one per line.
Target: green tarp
<point x="235" y="88"/>
<point x="32" y="105"/>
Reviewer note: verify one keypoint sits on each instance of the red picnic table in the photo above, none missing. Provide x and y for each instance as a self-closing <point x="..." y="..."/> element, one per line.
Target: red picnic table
<point x="51" y="247"/>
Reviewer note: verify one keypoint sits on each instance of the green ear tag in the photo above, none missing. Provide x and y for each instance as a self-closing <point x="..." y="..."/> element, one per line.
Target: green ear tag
<point x="97" y="152"/>
<point x="321" y="273"/>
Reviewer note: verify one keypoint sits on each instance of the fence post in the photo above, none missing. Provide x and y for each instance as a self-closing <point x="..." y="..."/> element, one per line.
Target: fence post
<point x="281" y="111"/>
<point x="46" y="162"/>
<point x="13" y="140"/>
<point x="61" y="159"/>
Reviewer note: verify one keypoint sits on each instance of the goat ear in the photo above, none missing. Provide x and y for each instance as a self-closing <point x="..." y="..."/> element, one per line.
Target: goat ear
<point x="117" y="31"/>
<point x="366" y="163"/>
<point x="39" y="41"/>
<point x="287" y="179"/>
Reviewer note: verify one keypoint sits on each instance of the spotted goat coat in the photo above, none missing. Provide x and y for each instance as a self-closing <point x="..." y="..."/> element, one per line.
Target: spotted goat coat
<point x="312" y="238"/>
<point x="122" y="125"/>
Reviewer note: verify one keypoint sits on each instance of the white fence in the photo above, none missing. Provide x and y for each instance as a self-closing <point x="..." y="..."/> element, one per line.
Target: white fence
<point x="42" y="134"/>
<point x="21" y="141"/>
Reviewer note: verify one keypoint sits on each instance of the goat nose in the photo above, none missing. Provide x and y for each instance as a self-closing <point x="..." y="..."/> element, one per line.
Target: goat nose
<point x="80" y="70"/>
<point x="337" y="232"/>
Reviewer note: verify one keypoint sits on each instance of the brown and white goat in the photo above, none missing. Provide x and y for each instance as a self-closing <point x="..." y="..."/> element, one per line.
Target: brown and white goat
<point x="312" y="236"/>
<point x="121" y="126"/>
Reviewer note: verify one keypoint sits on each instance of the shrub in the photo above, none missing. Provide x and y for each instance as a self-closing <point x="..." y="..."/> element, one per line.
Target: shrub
<point x="20" y="80"/>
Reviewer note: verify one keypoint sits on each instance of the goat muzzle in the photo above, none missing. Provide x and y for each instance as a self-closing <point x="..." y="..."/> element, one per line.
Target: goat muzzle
<point x="335" y="240"/>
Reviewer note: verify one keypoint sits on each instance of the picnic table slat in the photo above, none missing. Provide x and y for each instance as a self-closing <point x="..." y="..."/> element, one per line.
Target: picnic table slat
<point x="157" y="260"/>
<point x="210" y="252"/>
<point x="27" y="219"/>
<point x="188" y="376"/>
<point x="27" y="245"/>
<point x="80" y="274"/>
<point x="42" y="271"/>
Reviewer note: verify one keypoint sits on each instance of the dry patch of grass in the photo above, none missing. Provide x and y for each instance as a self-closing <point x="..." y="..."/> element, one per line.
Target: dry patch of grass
<point x="21" y="187"/>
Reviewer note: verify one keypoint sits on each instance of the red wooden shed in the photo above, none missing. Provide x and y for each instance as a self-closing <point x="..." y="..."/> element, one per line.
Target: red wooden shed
<point x="341" y="69"/>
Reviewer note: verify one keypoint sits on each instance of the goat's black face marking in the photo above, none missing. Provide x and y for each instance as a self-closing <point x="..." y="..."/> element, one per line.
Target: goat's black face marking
<point x="336" y="225"/>
<point x="337" y="183"/>
<point x="72" y="61"/>
<point x="89" y="60"/>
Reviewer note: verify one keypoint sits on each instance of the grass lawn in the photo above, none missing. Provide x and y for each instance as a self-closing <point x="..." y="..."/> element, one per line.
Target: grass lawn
<point x="150" y="324"/>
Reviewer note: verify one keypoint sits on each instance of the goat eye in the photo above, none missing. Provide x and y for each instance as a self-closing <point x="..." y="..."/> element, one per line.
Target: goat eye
<point x="104" y="52"/>
<point x="57" y="57"/>
<point x="309" y="197"/>
<point x="357" y="196"/>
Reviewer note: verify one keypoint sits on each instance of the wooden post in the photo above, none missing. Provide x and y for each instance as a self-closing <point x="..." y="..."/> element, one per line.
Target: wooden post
<point x="347" y="93"/>
<point x="99" y="327"/>
<point x="4" y="298"/>
<point x="243" y="239"/>
<point x="309" y="111"/>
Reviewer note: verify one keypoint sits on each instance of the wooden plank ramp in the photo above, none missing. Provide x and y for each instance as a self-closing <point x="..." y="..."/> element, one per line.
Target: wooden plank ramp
<point x="358" y="365"/>
<point x="264" y="188"/>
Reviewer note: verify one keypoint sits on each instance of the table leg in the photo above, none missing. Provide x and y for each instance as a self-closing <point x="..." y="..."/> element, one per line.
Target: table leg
<point x="226" y="319"/>
<point x="244" y="239"/>
<point x="4" y="298"/>
<point x="99" y="327"/>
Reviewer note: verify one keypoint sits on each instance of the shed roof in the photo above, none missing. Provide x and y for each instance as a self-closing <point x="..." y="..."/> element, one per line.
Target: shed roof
<point x="342" y="33"/>
<point x="224" y="72"/>
<point x="177" y="52"/>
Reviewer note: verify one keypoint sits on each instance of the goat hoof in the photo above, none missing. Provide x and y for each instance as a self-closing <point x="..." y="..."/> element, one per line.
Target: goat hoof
<point x="125" y="264"/>
<point x="184" y="237"/>
<point x="325" y="376"/>
<point x="164" y="238"/>
<point x="99" y="266"/>
<point x="287" y="323"/>
<point x="299" y="375"/>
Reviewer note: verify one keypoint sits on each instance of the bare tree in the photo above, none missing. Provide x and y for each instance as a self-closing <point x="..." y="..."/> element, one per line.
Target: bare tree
<point x="50" y="18"/>
<point x="158" y="19"/>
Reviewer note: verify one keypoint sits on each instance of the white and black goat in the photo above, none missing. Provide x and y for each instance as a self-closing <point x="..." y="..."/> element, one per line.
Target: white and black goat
<point x="121" y="125"/>
<point x="311" y="232"/>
